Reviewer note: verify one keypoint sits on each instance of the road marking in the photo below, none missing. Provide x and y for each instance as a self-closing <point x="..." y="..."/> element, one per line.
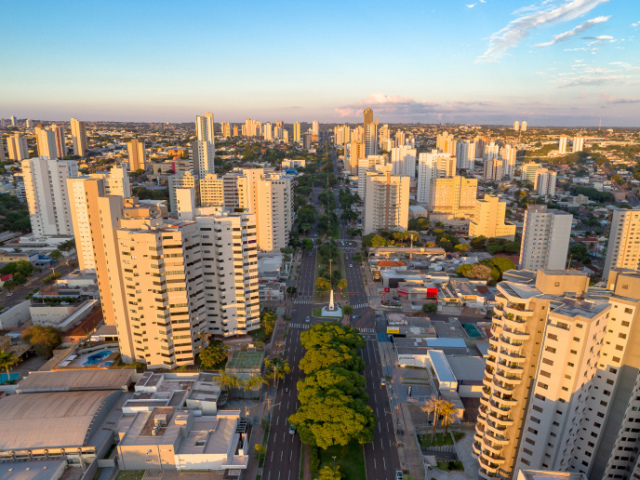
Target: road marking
<point x="287" y="405"/>
<point x="381" y="445"/>
<point x="379" y="428"/>
<point x="272" y="456"/>
<point x="277" y="420"/>
<point x="384" y="463"/>
<point x="374" y="464"/>
<point x="290" y="457"/>
<point x="284" y="437"/>
<point x="281" y="455"/>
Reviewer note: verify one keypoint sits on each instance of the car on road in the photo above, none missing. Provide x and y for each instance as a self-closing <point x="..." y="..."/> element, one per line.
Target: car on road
<point x="399" y="475"/>
<point x="308" y="319"/>
<point x="383" y="381"/>
<point x="396" y="298"/>
<point x="9" y="294"/>
<point x="292" y="430"/>
<point x="286" y="389"/>
<point x="351" y="265"/>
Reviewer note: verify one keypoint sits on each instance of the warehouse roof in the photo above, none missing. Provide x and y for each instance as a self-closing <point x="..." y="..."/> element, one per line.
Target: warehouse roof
<point x="76" y="380"/>
<point x="48" y="420"/>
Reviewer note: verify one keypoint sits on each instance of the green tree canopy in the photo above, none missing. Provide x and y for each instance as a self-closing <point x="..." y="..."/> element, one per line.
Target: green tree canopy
<point x="331" y="333"/>
<point x="327" y="356"/>
<point x="42" y="339"/>
<point x="212" y="356"/>
<point x="319" y="383"/>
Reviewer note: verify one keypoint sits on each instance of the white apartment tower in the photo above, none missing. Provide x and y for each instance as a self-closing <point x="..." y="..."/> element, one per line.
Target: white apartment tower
<point x="370" y="164"/>
<point x="518" y="329"/>
<point x="465" y="155"/>
<point x="185" y="180"/>
<point x="578" y="144"/>
<point x="516" y="126"/>
<point x="623" y="249"/>
<point x="46" y="143"/>
<point x="403" y="161"/>
<point x="273" y="207"/>
<point x="17" y="147"/>
<point x="562" y="145"/>
<point x="545" y="238"/>
<point x="230" y="259"/>
<point x="431" y="166"/>
<point x="79" y="137"/>
<point x="386" y="202"/>
<point x="493" y="170"/>
<point x="508" y="154"/>
<point x="545" y="184"/>
<point x="45" y="182"/>
<point x="203" y="149"/>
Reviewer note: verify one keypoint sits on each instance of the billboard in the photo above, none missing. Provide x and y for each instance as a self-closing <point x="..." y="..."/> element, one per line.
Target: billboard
<point x="393" y="330"/>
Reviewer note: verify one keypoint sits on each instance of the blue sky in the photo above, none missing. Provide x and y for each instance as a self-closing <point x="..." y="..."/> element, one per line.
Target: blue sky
<point x="550" y="62"/>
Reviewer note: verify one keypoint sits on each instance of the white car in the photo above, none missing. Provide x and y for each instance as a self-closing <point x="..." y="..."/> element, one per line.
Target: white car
<point x="351" y="265"/>
<point x="292" y="429"/>
<point x="308" y="319"/>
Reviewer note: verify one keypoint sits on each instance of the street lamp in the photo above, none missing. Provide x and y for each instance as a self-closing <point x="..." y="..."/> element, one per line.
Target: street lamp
<point x="334" y="462"/>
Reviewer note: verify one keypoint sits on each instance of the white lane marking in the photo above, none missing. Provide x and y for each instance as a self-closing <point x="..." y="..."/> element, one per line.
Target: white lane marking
<point x="277" y="420"/>
<point x="284" y="437"/>
<point x="281" y="455"/>
<point x="379" y="428"/>
<point x="287" y="405"/>
<point x="272" y="456"/>
<point x="374" y="464"/>
<point x="290" y="457"/>
<point x="381" y="445"/>
<point x="384" y="463"/>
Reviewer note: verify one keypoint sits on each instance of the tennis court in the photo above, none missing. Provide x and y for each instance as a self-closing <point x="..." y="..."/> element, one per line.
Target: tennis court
<point x="244" y="361"/>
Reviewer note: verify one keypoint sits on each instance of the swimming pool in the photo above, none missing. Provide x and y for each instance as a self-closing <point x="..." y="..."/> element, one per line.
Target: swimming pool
<point x="97" y="357"/>
<point x="472" y="330"/>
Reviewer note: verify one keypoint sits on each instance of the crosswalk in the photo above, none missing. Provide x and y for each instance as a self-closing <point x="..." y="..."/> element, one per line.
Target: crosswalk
<point x="367" y="330"/>
<point x="360" y="305"/>
<point x="300" y="326"/>
<point x="303" y="301"/>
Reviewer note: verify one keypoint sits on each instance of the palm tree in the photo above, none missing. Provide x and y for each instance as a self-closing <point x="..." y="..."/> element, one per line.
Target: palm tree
<point x="429" y="407"/>
<point x="277" y="367"/>
<point x="8" y="360"/>
<point x="252" y="382"/>
<point x="437" y="404"/>
<point x="447" y="415"/>
<point x="229" y="381"/>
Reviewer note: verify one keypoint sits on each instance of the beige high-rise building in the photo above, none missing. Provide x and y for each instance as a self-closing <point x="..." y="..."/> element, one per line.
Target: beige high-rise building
<point x="370" y="130"/>
<point x="81" y="190"/>
<point x="562" y="145"/>
<point x="455" y="196"/>
<point x="79" y="137"/>
<point x="273" y="207"/>
<point x="17" y="147"/>
<point x="431" y="166"/>
<point x="185" y="180"/>
<point x="545" y="238"/>
<point x="516" y="126"/>
<point x="529" y="171"/>
<point x="508" y="154"/>
<point x="623" y="249"/>
<point x="211" y="191"/>
<point x="61" y="141"/>
<point x="493" y="170"/>
<point x="400" y="138"/>
<point x="545" y="184"/>
<point x="297" y="136"/>
<point x="370" y="164"/>
<point x="137" y="155"/>
<point x="356" y="153"/>
<point x="445" y="143"/>
<point x="578" y="144"/>
<point x="384" y="137"/>
<point x="386" y="202"/>
<point x="489" y="219"/>
<point x="523" y="126"/>
<point x="465" y="155"/>
<point x="235" y="130"/>
<point x="236" y="190"/>
<point x="583" y="406"/>
<point x="204" y="148"/>
<point x="230" y="258"/>
<point x="226" y="130"/>
<point x="45" y="182"/>
<point x="518" y="329"/>
<point x="46" y="142"/>
<point x="403" y="160"/>
<point x="315" y="129"/>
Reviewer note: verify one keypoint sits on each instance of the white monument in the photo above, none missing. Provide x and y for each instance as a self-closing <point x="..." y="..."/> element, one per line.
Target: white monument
<point x="331" y="310"/>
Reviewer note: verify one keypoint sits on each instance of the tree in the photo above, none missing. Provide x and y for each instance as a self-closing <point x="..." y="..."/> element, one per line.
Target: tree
<point x="323" y="284"/>
<point x="328" y="473"/>
<point x="7" y="360"/>
<point x="229" y="381"/>
<point x="277" y="367"/>
<point x="327" y="356"/>
<point x="478" y="243"/>
<point x="56" y="255"/>
<point x="342" y="284"/>
<point x="419" y="224"/>
<point x="212" y="356"/>
<point x="268" y="321"/>
<point x="430" y="307"/>
<point x="475" y="271"/>
<point x="42" y="339"/>
<point x="461" y="247"/>
<point x="447" y="414"/>
<point x="253" y="382"/>
<point x="325" y="381"/>
<point x="261" y="451"/>
<point x="331" y="334"/>
<point x="347" y="309"/>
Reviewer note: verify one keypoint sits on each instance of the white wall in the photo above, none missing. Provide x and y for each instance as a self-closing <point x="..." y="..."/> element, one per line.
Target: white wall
<point x="15" y="316"/>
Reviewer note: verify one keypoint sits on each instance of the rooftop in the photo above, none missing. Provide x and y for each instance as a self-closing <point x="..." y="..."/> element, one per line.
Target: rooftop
<point x="548" y="475"/>
<point x="76" y="380"/>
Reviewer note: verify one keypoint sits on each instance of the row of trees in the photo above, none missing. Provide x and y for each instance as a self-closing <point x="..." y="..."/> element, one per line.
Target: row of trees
<point x="333" y="401"/>
<point x="488" y="269"/>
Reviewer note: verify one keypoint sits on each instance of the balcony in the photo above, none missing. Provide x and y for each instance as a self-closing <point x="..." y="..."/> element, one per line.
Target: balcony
<point x="508" y="379"/>
<point x="487" y="446"/>
<point x="500" y="420"/>
<point x="494" y="406"/>
<point x="497" y="439"/>
<point x="489" y="463"/>
<point x="515" y="334"/>
<point x="511" y="356"/>
<point x="511" y="342"/>
<point x="502" y="388"/>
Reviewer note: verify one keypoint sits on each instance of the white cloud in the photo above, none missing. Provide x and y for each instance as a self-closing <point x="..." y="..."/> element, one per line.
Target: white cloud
<point x="574" y="31"/>
<point x="590" y="80"/>
<point x="599" y="40"/>
<point x="609" y="99"/>
<point x="635" y="24"/>
<point x="471" y="5"/>
<point x="519" y="28"/>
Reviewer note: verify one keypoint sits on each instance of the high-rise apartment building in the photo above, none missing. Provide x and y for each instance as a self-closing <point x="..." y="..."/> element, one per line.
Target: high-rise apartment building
<point x="545" y="184"/>
<point x="267" y="131"/>
<point x="454" y="196"/>
<point x="623" y="249"/>
<point x="45" y="182"/>
<point x="370" y="164"/>
<point x="545" y="238"/>
<point x="578" y="144"/>
<point x="61" y="141"/>
<point x="226" y="130"/>
<point x="235" y="187"/>
<point x="430" y="166"/>
<point x="3" y="157"/>
<point x="465" y="155"/>
<point x="403" y="161"/>
<point x="489" y="219"/>
<point x="185" y="180"/>
<point x="491" y="151"/>
<point x="296" y="132"/>
<point x="508" y="154"/>
<point x="273" y="207"/>
<point x="230" y="259"/>
<point x="386" y="202"/>
<point x="315" y="129"/>
<point x="529" y="172"/>
<point x="384" y="137"/>
<point x="562" y="145"/>
<point x="235" y="130"/>
<point x="137" y="155"/>
<point x="203" y="148"/>
<point x="518" y="329"/>
<point x="79" y="137"/>
<point x="516" y="126"/>
<point x="211" y="191"/>
<point x="493" y="170"/>
<point x="14" y="121"/>
<point x="370" y="138"/>
<point x="356" y="153"/>
<point x="584" y="402"/>
<point x="445" y="143"/>
<point x="17" y="147"/>
<point x="523" y="126"/>
<point x="400" y="138"/>
<point x="46" y="142"/>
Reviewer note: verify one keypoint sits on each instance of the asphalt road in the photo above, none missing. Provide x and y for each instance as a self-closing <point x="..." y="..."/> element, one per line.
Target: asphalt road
<point x="283" y="449"/>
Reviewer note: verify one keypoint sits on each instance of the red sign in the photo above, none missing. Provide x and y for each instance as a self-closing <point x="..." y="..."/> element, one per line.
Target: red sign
<point x="387" y="290"/>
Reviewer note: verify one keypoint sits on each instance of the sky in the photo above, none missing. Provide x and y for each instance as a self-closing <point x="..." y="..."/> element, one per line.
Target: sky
<point x="549" y="62"/>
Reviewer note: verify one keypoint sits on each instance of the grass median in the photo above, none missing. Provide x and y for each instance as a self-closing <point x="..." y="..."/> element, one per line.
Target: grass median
<point x="350" y="459"/>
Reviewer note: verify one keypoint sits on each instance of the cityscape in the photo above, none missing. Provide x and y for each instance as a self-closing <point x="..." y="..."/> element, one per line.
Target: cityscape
<point x="286" y="265"/>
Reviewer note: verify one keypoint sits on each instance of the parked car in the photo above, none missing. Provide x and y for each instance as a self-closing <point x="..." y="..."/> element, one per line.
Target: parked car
<point x="399" y="475"/>
<point x="292" y="431"/>
<point x="308" y="319"/>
